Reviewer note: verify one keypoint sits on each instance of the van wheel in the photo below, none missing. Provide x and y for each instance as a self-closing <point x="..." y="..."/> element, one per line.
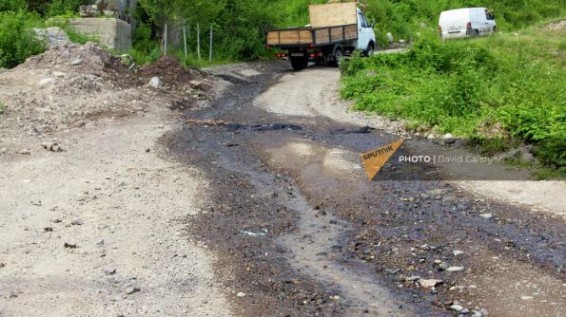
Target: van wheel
<point x="299" y="62"/>
<point x="476" y="33"/>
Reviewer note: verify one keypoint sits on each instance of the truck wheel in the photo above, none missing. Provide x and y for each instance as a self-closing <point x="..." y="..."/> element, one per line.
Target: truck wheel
<point x="370" y="50"/>
<point x="299" y="63"/>
<point x="338" y="55"/>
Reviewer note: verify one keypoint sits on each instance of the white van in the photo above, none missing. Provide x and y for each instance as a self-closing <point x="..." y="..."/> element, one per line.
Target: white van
<point x="466" y="22"/>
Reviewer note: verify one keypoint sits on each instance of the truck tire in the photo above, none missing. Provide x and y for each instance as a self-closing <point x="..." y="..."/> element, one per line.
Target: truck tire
<point x="299" y="63"/>
<point x="370" y="50"/>
<point x="338" y="55"/>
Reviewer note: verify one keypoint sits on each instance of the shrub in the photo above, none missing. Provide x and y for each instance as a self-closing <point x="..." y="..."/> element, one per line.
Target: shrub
<point x="459" y="86"/>
<point x="17" y="40"/>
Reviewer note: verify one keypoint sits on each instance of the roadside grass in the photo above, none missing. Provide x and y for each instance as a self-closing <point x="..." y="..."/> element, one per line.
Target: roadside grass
<point x="496" y="90"/>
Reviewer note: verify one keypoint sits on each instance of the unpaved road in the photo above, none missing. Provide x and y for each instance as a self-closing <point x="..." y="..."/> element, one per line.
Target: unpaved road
<point x="303" y="206"/>
<point x="83" y="229"/>
<point x="256" y="205"/>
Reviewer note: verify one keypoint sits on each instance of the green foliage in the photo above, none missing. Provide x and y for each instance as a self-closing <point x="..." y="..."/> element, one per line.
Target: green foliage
<point x="67" y="8"/>
<point x="464" y="87"/>
<point x="17" y="40"/>
<point x="12" y="5"/>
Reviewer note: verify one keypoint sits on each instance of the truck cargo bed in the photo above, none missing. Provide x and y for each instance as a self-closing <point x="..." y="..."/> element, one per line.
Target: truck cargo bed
<point x="312" y="36"/>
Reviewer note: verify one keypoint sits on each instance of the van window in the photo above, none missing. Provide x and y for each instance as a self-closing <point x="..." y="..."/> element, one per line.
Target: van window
<point x="488" y="15"/>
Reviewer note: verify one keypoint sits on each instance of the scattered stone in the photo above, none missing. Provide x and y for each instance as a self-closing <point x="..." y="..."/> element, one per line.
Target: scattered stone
<point x="109" y="270"/>
<point x="195" y="83"/>
<point x="456" y="307"/>
<point x="76" y="62"/>
<point x="77" y="222"/>
<point x="241" y="294"/>
<point x="465" y="311"/>
<point x="57" y="220"/>
<point x="443" y="266"/>
<point x="392" y="271"/>
<point x="13" y="295"/>
<point x="414" y="278"/>
<point x="154" y="82"/>
<point x="430" y="283"/>
<point x="486" y="215"/>
<point x="53" y="36"/>
<point x="147" y="150"/>
<point x="455" y="269"/>
<point x="52" y="146"/>
<point x="25" y="152"/>
<point x="526" y="297"/>
<point x="132" y="290"/>
<point x="36" y="202"/>
<point x="70" y="245"/>
<point x="46" y="81"/>
<point x="2" y="265"/>
<point x="457" y="252"/>
<point x="100" y="242"/>
<point x="448" y="139"/>
<point x="48" y="229"/>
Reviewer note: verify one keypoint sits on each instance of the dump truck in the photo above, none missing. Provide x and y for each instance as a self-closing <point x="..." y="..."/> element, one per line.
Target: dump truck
<point x="335" y="30"/>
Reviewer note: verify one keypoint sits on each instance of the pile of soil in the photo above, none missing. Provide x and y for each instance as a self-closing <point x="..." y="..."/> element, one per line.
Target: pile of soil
<point x="72" y="85"/>
<point x="173" y="75"/>
<point x="87" y="59"/>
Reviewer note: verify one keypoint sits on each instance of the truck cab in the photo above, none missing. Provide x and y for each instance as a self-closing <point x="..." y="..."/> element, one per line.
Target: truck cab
<point x="366" y="35"/>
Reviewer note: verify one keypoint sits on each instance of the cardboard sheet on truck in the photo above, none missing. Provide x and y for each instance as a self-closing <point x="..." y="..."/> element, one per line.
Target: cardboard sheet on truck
<point x="332" y="14"/>
<point x="329" y="23"/>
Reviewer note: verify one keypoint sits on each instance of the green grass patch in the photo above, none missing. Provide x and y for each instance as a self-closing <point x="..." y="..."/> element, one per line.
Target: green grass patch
<point x="496" y="90"/>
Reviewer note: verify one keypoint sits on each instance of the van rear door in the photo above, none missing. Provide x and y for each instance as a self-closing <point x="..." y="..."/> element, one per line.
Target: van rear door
<point x="453" y="23"/>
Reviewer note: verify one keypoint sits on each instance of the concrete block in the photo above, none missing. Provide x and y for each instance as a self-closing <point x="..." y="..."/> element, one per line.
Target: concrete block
<point x="110" y="32"/>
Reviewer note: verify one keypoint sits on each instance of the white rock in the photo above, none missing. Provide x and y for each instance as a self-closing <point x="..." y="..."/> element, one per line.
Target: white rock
<point x="457" y="252"/>
<point x="456" y="307"/>
<point x="526" y="297"/>
<point x="429" y="283"/>
<point x="455" y="269"/>
<point x="46" y="81"/>
<point x="486" y="216"/>
<point x="241" y="294"/>
<point x="154" y="82"/>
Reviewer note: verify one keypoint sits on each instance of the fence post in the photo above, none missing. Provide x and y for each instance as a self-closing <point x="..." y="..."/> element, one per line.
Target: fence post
<point x="185" y="39"/>
<point x="210" y="46"/>
<point x="198" y="40"/>
<point x="165" y="39"/>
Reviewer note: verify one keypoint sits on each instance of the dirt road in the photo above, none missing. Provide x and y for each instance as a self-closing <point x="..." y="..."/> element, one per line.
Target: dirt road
<point x="164" y="202"/>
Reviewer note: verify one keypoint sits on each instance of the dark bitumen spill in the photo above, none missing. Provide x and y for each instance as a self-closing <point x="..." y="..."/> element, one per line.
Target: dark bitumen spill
<point x="300" y="241"/>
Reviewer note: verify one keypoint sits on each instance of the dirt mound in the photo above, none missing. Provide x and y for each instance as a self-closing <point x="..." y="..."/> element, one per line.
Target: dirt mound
<point x="172" y="73"/>
<point x="71" y="85"/>
<point x="86" y="59"/>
